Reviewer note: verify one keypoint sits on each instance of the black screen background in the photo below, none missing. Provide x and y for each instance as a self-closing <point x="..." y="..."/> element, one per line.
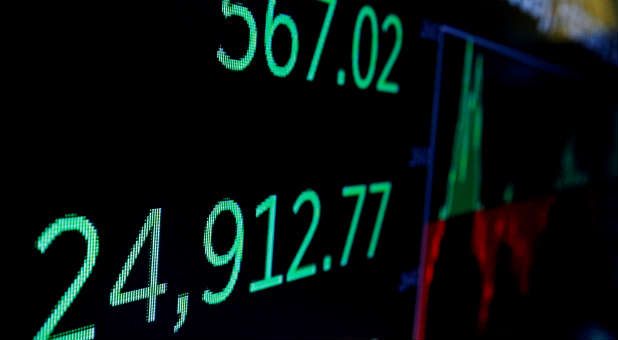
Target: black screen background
<point x="123" y="107"/>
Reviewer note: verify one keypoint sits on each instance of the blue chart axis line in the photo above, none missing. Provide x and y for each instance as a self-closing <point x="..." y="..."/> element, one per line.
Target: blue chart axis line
<point x="507" y="51"/>
<point x="429" y="181"/>
<point x="503" y="50"/>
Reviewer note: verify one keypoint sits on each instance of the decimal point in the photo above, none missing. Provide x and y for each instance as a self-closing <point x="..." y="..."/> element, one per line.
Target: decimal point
<point x="341" y="77"/>
<point x="328" y="261"/>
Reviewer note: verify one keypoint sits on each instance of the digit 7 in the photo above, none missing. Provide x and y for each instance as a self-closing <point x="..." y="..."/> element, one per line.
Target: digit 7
<point x="385" y="189"/>
<point x="361" y="192"/>
<point x="332" y="4"/>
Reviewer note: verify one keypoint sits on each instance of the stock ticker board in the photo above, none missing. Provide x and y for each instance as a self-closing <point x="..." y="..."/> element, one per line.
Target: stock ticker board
<point x="326" y="169"/>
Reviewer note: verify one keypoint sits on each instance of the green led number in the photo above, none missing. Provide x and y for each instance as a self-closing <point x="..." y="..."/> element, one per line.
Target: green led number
<point x="235" y="251"/>
<point x="332" y="4"/>
<point x="229" y="10"/>
<point x="367" y="12"/>
<point x="385" y="189"/>
<point x="361" y="192"/>
<point x="270" y="205"/>
<point x="152" y="226"/>
<point x="383" y="84"/>
<point x="88" y="231"/>
<point x="272" y="23"/>
<point x="295" y="273"/>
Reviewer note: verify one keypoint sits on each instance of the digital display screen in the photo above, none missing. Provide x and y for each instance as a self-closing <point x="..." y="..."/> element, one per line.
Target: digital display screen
<point x="299" y="170"/>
